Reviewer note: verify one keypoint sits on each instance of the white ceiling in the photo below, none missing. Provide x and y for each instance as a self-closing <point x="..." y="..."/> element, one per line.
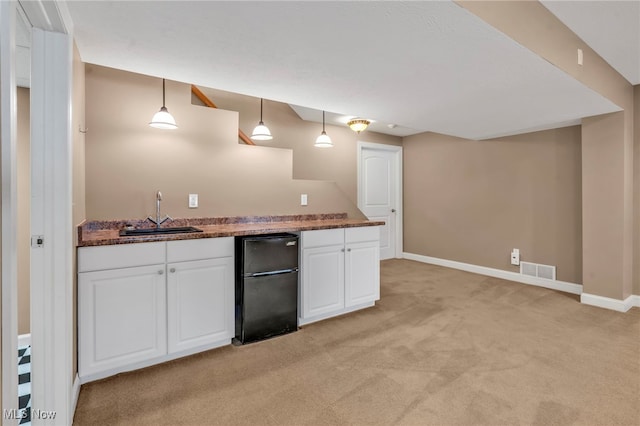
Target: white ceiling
<point x="423" y="66"/>
<point x="611" y="28"/>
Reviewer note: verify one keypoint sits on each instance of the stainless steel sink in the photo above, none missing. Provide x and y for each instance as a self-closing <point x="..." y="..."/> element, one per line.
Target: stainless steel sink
<point x="158" y="231"/>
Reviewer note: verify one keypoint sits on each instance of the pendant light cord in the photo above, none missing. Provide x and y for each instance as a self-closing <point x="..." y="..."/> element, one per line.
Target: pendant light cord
<point x="261" y="110"/>
<point x="163" y="93"/>
<point x="322" y="121"/>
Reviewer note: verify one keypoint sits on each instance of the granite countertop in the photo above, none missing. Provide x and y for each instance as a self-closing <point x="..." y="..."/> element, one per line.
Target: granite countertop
<point x="101" y="233"/>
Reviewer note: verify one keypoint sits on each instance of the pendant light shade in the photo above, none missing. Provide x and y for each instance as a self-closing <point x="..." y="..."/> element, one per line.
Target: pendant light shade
<point x="261" y="132"/>
<point x="162" y="119"/>
<point x="323" y="141"/>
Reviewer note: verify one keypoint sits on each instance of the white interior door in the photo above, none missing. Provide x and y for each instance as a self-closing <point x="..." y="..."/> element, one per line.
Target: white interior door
<point x="379" y="192"/>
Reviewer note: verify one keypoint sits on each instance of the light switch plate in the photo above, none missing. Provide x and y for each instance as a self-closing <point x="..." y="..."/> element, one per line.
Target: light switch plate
<point x="193" y="201"/>
<point x="303" y="199"/>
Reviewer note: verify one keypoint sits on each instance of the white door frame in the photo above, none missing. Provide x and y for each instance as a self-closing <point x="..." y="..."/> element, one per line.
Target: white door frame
<point x="8" y="122"/>
<point x="51" y="265"/>
<point x="398" y="178"/>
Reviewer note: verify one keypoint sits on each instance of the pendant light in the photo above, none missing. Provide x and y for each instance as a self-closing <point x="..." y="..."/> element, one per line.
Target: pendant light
<point x="162" y="119"/>
<point x="323" y="141"/>
<point x="261" y="132"/>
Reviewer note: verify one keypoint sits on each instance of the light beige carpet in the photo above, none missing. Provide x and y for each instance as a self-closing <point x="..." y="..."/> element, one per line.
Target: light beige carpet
<point x="441" y="347"/>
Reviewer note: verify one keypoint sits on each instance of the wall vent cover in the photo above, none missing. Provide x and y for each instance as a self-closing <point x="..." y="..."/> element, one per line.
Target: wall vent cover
<point x="538" y="270"/>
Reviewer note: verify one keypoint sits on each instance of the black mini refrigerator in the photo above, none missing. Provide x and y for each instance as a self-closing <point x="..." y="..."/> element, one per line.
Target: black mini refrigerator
<point x="266" y="286"/>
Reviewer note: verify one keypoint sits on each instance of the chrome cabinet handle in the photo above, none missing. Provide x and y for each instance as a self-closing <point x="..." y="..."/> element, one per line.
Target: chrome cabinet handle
<point x="160" y="272"/>
<point x="172" y="270"/>
<point x="342" y="250"/>
<point x="393" y="210"/>
<point x="348" y="249"/>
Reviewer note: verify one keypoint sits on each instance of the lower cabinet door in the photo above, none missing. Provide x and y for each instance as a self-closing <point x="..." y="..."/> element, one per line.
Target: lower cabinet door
<point x="121" y="317"/>
<point x="322" y="280"/>
<point x="200" y="303"/>
<point x="362" y="273"/>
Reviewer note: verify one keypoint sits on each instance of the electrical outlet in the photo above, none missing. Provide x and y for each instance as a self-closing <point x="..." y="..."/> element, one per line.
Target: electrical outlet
<point x="303" y="199"/>
<point x="193" y="201"/>
<point x="515" y="257"/>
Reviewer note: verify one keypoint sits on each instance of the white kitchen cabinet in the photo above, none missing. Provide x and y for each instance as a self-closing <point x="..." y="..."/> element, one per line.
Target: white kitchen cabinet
<point x="145" y="303"/>
<point x="200" y="290"/>
<point x="362" y="272"/>
<point x="340" y="272"/>
<point x="322" y="280"/>
<point x="200" y="297"/>
<point x="121" y="317"/>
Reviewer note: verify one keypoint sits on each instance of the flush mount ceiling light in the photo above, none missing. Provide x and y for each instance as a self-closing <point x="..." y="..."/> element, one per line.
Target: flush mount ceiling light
<point x="358" y="124"/>
<point x="261" y="132"/>
<point x="162" y="119"/>
<point x="323" y="140"/>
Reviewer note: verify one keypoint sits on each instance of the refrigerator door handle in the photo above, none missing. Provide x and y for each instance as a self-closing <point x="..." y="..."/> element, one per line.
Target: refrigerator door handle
<point x="281" y="271"/>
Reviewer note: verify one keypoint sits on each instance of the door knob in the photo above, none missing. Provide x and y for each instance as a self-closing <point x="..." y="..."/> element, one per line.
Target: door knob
<point x="393" y="210"/>
<point x="172" y="270"/>
<point x="160" y="272"/>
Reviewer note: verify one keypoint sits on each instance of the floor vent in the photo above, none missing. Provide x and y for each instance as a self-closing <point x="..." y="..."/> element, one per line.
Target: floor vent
<point x="537" y="270"/>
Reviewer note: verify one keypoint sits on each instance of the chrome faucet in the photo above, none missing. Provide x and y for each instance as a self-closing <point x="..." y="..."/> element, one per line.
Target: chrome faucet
<point x="158" y="221"/>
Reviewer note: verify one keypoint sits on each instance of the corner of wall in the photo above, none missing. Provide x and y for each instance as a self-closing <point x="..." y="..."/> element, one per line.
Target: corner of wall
<point x="636" y="190"/>
<point x="79" y="214"/>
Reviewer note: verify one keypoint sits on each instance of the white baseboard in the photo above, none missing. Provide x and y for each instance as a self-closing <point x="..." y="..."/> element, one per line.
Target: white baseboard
<point x="498" y="273"/>
<point x="609" y="303"/>
<point x="24" y="340"/>
<point x="75" y="393"/>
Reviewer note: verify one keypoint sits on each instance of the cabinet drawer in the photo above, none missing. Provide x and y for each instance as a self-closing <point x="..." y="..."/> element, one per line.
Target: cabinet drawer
<point x="203" y="248"/>
<point x="120" y="256"/>
<point x="322" y="237"/>
<point x="361" y="234"/>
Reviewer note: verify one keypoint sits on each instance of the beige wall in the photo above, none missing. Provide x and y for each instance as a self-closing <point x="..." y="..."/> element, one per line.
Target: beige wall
<point x="601" y="191"/>
<point x="337" y="164"/>
<point x="127" y="161"/>
<point x="78" y="178"/>
<point x="474" y="201"/>
<point x="533" y="26"/>
<point x="23" y="155"/>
